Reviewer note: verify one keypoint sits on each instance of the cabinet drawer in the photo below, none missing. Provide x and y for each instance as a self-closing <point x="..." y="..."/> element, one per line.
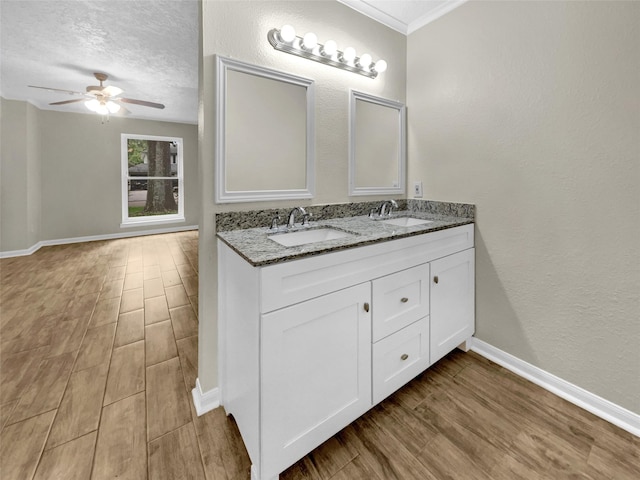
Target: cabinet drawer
<point x="399" y="300"/>
<point x="400" y="357"/>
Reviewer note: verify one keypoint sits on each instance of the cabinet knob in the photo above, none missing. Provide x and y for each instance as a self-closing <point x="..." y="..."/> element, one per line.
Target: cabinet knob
<point x="435" y="279"/>
<point x="366" y="306"/>
<point x="404" y="299"/>
<point x="404" y="356"/>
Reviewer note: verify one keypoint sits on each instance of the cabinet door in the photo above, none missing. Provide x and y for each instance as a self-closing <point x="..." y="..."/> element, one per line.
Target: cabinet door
<point x="452" y="302"/>
<point x="316" y="373"/>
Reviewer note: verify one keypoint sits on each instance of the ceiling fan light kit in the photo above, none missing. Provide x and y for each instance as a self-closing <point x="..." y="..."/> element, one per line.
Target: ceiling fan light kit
<point x="102" y="107"/>
<point x="103" y="100"/>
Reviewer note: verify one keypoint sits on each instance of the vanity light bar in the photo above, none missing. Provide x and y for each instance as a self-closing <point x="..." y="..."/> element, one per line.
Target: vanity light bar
<point x="308" y="47"/>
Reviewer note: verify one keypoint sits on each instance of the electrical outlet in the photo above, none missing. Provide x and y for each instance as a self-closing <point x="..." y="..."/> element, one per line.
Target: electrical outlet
<point x="417" y="189"/>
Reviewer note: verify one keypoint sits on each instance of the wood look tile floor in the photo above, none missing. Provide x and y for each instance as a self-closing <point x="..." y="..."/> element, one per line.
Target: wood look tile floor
<point x="98" y="351"/>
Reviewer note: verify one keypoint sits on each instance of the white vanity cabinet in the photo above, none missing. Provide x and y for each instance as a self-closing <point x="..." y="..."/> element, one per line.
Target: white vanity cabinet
<point x="309" y="345"/>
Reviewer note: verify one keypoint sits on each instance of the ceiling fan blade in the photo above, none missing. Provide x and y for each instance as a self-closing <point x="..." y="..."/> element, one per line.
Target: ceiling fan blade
<point x="122" y="112"/>
<point x="141" y="102"/>
<point x="68" y="101"/>
<point x="70" y="92"/>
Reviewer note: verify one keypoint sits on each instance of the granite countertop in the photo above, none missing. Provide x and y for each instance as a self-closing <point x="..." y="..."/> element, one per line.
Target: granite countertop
<point x="255" y="246"/>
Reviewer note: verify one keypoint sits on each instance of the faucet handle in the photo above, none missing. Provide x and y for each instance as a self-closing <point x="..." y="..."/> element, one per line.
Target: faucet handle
<point x="274" y="222"/>
<point x="305" y="219"/>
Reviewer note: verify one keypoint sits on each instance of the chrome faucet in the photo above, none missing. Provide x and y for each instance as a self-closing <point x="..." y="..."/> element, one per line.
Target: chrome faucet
<point x="391" y="204"/>
<point x="292" y="216"/>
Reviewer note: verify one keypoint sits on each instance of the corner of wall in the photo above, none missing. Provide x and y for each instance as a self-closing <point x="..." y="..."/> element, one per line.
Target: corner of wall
<point x="34" y="175"/>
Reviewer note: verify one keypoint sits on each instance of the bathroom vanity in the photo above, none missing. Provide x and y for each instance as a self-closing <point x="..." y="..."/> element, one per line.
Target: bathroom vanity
<point x="314" y="335"/>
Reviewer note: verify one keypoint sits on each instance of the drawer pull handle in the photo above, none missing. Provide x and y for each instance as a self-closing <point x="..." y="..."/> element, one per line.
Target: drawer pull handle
<point x="404" y="299"/>
<point x="366" y="306"/>
<point x="435" y="279"/>
<point x="404" y="356"/>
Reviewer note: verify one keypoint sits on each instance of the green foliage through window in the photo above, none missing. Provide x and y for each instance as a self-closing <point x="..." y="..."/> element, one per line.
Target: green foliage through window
<point x="136" y="150"/>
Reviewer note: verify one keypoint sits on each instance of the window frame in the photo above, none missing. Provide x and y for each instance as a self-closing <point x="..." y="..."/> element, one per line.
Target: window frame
<point x="150" y="219"/>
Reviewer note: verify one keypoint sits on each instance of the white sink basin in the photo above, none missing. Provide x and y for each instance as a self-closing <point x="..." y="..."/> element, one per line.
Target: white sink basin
<point x="406" y="221"/>
<point x="303" y="237"/>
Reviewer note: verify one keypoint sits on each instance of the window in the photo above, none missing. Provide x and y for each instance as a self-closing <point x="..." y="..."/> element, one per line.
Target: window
<point x="152" y="181"/>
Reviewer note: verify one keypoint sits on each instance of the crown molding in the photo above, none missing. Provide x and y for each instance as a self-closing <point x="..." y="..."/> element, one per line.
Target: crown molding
<point x="433" y="15"/>
<point x="396" y="24"/>
<point x="376" y="14"/>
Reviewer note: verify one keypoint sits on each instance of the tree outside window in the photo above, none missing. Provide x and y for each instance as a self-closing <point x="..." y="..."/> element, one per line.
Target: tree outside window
<point x="152" y="179"/>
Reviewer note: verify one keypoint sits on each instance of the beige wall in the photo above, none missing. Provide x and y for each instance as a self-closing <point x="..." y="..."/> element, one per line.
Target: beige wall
<point x="238" y="29"/>
<point x="531" y="110"/>
<point x="81" y="171"/>
<point x="34" y="175"/>
<point x="19" y="175"/>
<point x="61" y="174"/>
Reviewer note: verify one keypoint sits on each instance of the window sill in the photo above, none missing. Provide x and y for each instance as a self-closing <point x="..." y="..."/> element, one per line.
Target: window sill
<point x="145" y="221"/>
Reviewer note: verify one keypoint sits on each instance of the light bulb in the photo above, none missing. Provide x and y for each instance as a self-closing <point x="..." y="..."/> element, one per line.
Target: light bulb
<point x="287" y="33"/>
<point x="365" y="60"/>
<point x="92" y="104"/>
<point x="349" y="54"/>
<point x="102" y="109"/>
<point x="329" y="48"/>
<point x="380" y="66"/>
<point x="113" y="107"/>
<point x="309" y="41"/>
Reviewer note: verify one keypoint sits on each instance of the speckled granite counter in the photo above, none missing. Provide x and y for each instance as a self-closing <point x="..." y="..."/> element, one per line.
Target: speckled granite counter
<point x="239" y="230"/>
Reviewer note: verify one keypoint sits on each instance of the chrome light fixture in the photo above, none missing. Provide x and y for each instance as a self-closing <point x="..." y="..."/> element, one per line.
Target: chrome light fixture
<point x="307" y="46"/>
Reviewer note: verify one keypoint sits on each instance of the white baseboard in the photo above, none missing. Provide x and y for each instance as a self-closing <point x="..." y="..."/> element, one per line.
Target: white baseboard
<point x="609" y="411"/>
<point x="205" y="401"/>
<point x="93" y="238"/>
<point x="21" y="253"/>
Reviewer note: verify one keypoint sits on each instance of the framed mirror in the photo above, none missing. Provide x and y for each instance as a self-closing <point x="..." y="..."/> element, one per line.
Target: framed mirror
<point x="264" y="134"/>
<point x="377" y="145"/>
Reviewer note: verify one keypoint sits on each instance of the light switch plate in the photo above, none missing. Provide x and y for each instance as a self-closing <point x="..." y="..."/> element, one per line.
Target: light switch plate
<point x="417" y="189"/>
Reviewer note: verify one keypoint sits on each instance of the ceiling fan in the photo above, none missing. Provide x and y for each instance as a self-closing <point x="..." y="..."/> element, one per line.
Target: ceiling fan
<point x="102" y="99"/>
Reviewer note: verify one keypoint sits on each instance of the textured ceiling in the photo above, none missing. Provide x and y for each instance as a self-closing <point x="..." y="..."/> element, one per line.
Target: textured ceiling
<point x="149" y="48"/>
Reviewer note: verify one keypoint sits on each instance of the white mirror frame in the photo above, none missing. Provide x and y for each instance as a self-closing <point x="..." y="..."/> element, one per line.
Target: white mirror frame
<point x="402" y="151"/>
<point x="223" y="65"/>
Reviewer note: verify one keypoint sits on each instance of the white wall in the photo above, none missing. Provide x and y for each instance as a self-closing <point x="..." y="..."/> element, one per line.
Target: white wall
<point x="61" y="174"/>
<point x="238" y="29"/>
<point x="531" y="111"/>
